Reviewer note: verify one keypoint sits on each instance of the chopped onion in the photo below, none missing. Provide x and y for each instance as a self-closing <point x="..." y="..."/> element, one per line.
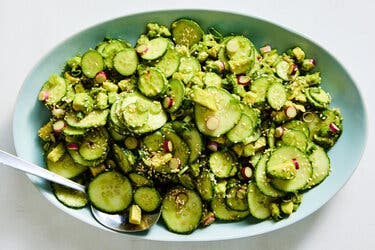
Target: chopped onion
<point x="221" y="65"/>
<point x="168" y="102"/>
<point x="58" y="126"/>
<point x="174" y="164"/>
<point x="58" y="112"/>
<point x="212" y="123"/>
<point x="295" y="162"/>
<point x="265" y="49"/>
<point x="279" y="132"/>
<point x="213" y="146"/>
<point x="72" y="146"/>
<point x="294" y="69"/>
<point x="246" y="172"/>
<point x="290" y="112"/>
<point x="208" y="219"/>
<point x="243" y="80"/>
<point x="142" y="49"/>
<point x="100" y="77"/>
<point x="307" y="117"/>
<point x="333" y="128"/>
<point x="168" y="146"/>
<point x="43" y="95"/>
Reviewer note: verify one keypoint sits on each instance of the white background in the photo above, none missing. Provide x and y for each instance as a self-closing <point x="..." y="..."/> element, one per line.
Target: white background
<point x="29" y="29"/>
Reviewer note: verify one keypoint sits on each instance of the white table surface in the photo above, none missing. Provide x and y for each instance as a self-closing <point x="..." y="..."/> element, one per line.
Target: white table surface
<point x="29" y="29"/>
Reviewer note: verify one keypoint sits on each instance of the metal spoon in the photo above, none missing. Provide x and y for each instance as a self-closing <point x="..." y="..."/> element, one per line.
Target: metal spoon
<point x="116" y="222"/>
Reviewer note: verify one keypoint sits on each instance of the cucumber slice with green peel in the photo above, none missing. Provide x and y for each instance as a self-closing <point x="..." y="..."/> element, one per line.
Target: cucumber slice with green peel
<point x="154" y="48"/>
<point x="236" y="198"/>
<point x="182" y="210"/>
<point x="320" y="164"/>
<point x="124" y="158"/>
<point x="284" y="159"/>
<point x="65" y="166"/>
<point x="238" y="47"/>
<point x="298" y="125"/>
<point x="148" y="198"/>
<point x="94" y="144"/>
<point x="243" y="129"/>
<point x="221" y="164"/>
<point x="115" y="114"/>
<point x="318" y="97"/>
<point x="276" y="96"/>
<point x="139" y="180"/>
<point x="205" y="186"/>
<point x="175" y="95"/>
<point x="188" y="68"/>
<point x="181" y="150"/>
<point x="96" y="118"/>
<point x="259" y="204"/>
<point x="152" y="82"/>
<point x="92" y="63"/>
<point x="186" y="32"/>
<point x="126" y="62"/>
<point x="71" y="131"/>
<point x="69" y="197"/>
<point x="77" y="158"/>
<point x="169" y="63"/>
<point x="110" y="192"/>
<point x="263" y="181"/>
<point x="195" y="142"/>
<point x="282" y="70"/>
<point x="153" y="142"/>
<point x="53" y="90"/>
<point x="139" y="114"/>
<point x="224" y="213"/>
<point x="226" y="116"/>
<point x="260" y="87"/>
<point x="295" y="138"/>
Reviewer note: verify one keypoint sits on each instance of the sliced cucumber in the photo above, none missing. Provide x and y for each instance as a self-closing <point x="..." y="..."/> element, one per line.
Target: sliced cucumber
<point x="321" y="166"/>
<point x="242" y="130"/>
<point x="205" y="186"/>
<point x="140" y="180"/>
<point x="154" y="48"/>
<point x="236" y="198"/>
<point x="227" y="114"/>
<point x="95" y="118"/>
<point x="65" y="167"/>
<point x="169" y="63"/>
<point x="53" y="90"/>
<point x="263" y="181"/>
<point x="69" y="197"/>
<point x="180" y="150"/>
<point x="110" y="192"/>
<point x="259" y="87"/>
<point x="221" y="164"/>
<point x="223" y="212"/>
<point x="92" y="63"/>
<point x="152" y="82"/>
<point x="175" y="95"/>
<point x="285" y="157"/>
<point x="186" y="32"/>
<point x="124" y="158"/>
<point x="94" y="144"/>
<point x="259" y="204"/>
<point x="276" y="96"/>
<point x="295" y="138"/>
<point x="182" y="210"/>
<point x="148" y="198"/>
<point x="126" y="62"/>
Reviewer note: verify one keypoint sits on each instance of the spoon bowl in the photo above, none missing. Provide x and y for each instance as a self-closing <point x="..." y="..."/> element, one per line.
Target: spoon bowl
<point x="117" y="222"/>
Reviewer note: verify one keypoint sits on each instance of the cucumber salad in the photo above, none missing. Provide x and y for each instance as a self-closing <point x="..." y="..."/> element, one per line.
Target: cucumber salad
<point x="202" y="125"/>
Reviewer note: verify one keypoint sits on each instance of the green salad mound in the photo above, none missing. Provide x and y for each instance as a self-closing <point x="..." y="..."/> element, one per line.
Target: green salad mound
<point x="202" y="125"/>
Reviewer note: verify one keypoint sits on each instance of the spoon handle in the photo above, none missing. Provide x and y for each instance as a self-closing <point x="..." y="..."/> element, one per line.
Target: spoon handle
<point x="15" y="162"/>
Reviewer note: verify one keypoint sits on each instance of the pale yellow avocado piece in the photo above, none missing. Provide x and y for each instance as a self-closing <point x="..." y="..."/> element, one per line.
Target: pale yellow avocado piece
<point x="135" y="215"/>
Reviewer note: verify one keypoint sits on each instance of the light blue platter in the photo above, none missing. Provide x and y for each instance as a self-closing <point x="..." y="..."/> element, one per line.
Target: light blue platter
<point x="30" y="114"/>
